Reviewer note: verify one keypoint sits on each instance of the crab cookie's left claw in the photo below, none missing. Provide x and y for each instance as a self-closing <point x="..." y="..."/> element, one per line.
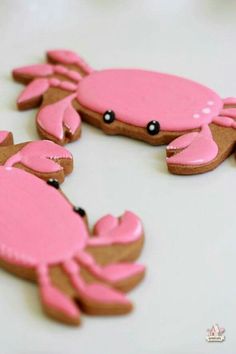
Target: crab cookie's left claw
<point x="190" y="151"/>
<point x="45" y="158"/>
<point x="60" y="121"/>
<point x="117" y="239"/>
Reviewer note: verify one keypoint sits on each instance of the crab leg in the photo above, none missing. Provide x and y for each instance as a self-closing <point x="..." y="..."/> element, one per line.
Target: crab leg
<point x="55" y="117"/>
<point x="66" y="57"/>
<point x="229" y="101"/>
<point x="225" y="121"/>
<point x="119" y="275"/>
<point x="193" y="148"/>
<point x="6" y="138"/>
<point x="56" y="303"/>
<point x="26" y="74"/>
<point x="229" y="112"/>
<point x="96" y="298"/>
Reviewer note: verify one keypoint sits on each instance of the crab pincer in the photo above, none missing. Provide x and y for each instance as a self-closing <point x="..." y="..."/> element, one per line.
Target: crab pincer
<point x="49" y="242"/>
<point x="192" y="149"/>
<point x="42" y="158"/>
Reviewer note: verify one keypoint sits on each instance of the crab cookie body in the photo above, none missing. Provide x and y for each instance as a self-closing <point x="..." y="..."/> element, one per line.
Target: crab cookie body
<point x="48" y="241"/>
<point x="154" y="107"/>
<point x="138" y="97"/>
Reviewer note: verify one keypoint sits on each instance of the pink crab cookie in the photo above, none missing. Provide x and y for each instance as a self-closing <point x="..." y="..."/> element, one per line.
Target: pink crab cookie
<point x="158" y="108"/>
<point x="47" y="241"/>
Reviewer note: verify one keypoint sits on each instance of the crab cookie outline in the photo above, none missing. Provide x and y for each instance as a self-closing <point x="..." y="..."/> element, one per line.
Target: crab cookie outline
<point x="153" y="107"/>
<point x="48" y="241"/>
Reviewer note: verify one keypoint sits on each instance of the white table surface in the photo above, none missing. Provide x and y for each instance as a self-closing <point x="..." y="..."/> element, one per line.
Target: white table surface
<point x="190" y="222"/>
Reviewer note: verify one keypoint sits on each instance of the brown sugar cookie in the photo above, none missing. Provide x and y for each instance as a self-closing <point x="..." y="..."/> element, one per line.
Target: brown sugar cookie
<point x="44" y="158"/>
<point x="48" y="242"/>
<point x="157" y="108"/>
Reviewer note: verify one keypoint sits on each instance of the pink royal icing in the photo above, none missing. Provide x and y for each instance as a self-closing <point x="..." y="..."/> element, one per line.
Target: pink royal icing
<point x="34" y="90"/>
<point x="37" y="232"/>
<point x="68" y="57"/>
<point x="139" y="96"/>
<point x="47" y="231"/>
<point x="198" y="148"/>
<point x="37" y="70"/>
<point x="39" y="156"/>
<point x="109" y="230"/>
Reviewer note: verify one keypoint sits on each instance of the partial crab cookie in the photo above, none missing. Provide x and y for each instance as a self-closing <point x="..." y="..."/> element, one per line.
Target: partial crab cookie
<point x="44" y="158"/>
<point x="150" y="106"/>
<point x="48" y="241"/>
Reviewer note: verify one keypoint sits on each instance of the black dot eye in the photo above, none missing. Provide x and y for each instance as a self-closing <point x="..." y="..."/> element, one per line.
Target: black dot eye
<point x="79" y="211"/>
<point x="109" y="117"/>
<point x="153" y="127"/>
<point x="53" y="182"/>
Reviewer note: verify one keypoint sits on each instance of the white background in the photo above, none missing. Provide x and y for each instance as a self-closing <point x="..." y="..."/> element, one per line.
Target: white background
<point x="190" y="222"/>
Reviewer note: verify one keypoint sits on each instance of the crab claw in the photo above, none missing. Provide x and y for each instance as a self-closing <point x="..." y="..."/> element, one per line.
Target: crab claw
<point x="6" y="138"/>
<point x="33" y="93"/>
<point x="120" y="271"/>
<point x="41" y="156"/>
<point x="195" y="148"/>
<point x="54" y="117"/>
<point x="112" y="230"/>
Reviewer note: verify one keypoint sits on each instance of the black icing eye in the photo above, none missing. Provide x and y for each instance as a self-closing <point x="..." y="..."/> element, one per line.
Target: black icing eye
<point x="153" y="127"/>
<point x="109" y="117"/>
<point x="79" y="211"/>
<point x="53" y="182"/>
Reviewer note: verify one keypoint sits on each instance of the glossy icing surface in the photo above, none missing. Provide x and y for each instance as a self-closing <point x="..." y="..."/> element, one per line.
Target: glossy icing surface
<point x="139" y="96"/>
<point x="52" y="117"/>
<point x="110" y="230"/>
<point x="38" y="156"/>
<point x="32" y="219"/>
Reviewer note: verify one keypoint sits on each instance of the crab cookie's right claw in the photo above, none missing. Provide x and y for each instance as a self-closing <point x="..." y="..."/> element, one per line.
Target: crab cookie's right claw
<point x="191" y="150"/>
